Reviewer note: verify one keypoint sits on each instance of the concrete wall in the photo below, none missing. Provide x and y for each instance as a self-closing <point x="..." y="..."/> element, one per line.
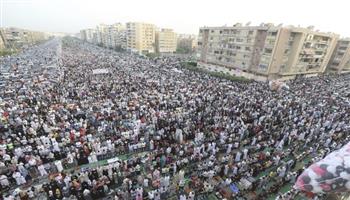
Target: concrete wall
<point x="233" y="72"/>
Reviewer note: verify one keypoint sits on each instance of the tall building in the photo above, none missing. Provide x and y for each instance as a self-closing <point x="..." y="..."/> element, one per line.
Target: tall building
<point x="14" y="38"/>
<point x="340" y="60"/>
<point x="87" y="35"/>
<point x="110" y="36"/>
<point x="267" y="50"/>
<point x="115" y="36"/>
<point x="101" y="33"/>
<point x="2" y="40"/>
<point x="186" y="43"/>
<point x="166" y="41"/>
<point x="140" y="37"/>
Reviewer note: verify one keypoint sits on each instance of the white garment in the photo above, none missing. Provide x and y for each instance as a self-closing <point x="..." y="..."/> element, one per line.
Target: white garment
<point x="245" y="152"/>
<point x="42" y="170"/>
<point x="59" y="166"/>
<point x="19" y="178"/>
<point x="145" y="183"/>
<point x="151" y="145"/>
<point x="238" y="157"/>
<point x="183" y="197"/>
<point x="4" y="181"/>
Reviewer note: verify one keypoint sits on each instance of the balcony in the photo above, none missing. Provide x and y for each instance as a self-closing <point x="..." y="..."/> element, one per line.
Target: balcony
<point x="321" y="42"/>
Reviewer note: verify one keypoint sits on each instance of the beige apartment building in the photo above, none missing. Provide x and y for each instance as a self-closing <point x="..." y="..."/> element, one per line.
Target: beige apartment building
<point x="165" y="41"/>
<point x="2" y="40"/>
<point x="2" y="44"/>
<point x="14" y="38"/>
<point x="340" y="60"/>
<point x="141" y="37"/>
<point x="267" y="50"/>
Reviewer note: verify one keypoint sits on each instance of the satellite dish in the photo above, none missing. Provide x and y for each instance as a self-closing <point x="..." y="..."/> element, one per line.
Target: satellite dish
<point x="237" y="25"/>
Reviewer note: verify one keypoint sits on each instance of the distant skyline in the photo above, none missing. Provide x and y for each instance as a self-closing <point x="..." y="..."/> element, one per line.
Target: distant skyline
<point x="184" y="16"/>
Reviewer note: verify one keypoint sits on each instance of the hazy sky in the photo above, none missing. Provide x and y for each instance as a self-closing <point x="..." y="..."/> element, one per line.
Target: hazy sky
<point x="184" y="16"/>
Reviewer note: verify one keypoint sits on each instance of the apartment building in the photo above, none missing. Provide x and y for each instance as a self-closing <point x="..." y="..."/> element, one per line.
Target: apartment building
<point x="140" y="37"/>
<point x="165" y="41"/>
<point x="14" y="38"/>
<point x="267" y="50"/>
<point x="87" y="35"/>
<point x="186" y="43"/>
<point x="340" y="60"/>
<point x="115" y="36"/>
<point x="2" y="40"/>
<point x="2" y="44"/>
<point x="300" y="51"/>
<point x="101" y="34"/>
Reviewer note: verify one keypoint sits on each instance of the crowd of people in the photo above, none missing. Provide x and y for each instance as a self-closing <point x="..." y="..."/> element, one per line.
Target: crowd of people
<point x="81" y="122"/>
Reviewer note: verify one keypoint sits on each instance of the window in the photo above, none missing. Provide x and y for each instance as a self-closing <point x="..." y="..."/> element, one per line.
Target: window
<point x="220" y="32"/>
<point x="268" y="50"/>
<point x="250" y="33"/>
<point x="263" y="66"/>
<point x="212" y="31"/>
<point x="273" y="33"/>
<point x="247" y="48"/>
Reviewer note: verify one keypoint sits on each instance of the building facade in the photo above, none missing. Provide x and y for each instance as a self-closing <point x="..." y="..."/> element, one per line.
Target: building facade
<point x="186" y="43"/>
<point x="14" y="38"/>
<point x="267" y="50"/>
<point x="109" y="36"/>
<point x="300" y="51"/>
<point x="2" y="40"/>
<point x="101" y="34"/>
<point x="340" y="60"/>
<point x="115" y="36"/>
<point x="140" y="37"/>
<point x="87" y="35"/>
<point x="166" y="41"/>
